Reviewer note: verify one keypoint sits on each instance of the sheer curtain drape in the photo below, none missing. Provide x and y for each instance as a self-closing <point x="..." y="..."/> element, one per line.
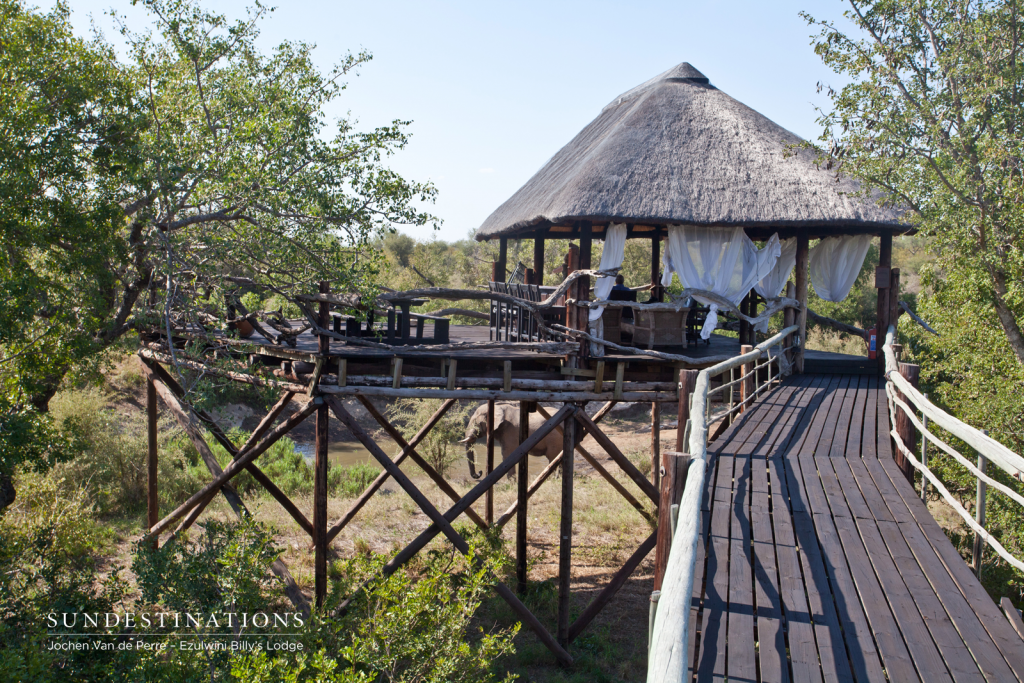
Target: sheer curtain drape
<point x="720" y="260"/>
<point x="611" y="257"/>
<point x="835" y="263"/>
<point x="774" y="282"/>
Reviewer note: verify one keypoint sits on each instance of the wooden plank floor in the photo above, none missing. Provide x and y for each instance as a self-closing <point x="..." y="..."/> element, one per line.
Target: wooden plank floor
<point x="820" y="563"/>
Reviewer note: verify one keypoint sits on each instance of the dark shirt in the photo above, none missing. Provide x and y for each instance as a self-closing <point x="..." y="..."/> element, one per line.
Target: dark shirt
<point x="621" y="288"/>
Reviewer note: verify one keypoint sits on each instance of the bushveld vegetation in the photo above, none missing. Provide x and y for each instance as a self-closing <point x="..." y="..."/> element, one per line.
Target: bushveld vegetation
<point x="121" y="195"/>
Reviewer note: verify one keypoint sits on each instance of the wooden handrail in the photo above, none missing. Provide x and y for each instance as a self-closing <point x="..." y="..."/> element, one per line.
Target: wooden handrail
<point x="905" y="396"/>
<point x="666" y="662"/>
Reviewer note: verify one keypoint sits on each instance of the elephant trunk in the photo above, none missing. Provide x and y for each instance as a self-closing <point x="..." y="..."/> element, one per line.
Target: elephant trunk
<point x="471" y="436"/>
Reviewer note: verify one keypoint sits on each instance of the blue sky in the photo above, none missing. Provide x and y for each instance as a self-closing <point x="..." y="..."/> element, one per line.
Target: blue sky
<point x="494" y="89"/>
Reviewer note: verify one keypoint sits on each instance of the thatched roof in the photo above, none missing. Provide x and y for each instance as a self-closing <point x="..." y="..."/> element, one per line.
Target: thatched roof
<point x="678" y="150"/>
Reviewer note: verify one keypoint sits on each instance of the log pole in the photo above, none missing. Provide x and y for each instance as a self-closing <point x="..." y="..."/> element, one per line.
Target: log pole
<point x="788" y="315"/>
<point x="565" y="530"/>
<point x="320" y="474"/>
<point x="882" y="275"/>
<point x="978" y="550"/>
<point x="152" y="499"/>
<point x="489" y="496"/>
<point x="747" y="384"/>
<point x="522" y="495"/>
<point x="687" y="384"/>
<point x="904" y="427"/>
<point x="673" y="479"/>
<point x="803" y="251"/>
<point x="656" y="267"/>
<point x="538" y="260"/>
<point x="501" y="264"/>
<point x="655" y="443"/>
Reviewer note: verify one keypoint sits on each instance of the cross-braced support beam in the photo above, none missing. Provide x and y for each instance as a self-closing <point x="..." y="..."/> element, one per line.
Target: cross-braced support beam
<point x="442" y="523"/>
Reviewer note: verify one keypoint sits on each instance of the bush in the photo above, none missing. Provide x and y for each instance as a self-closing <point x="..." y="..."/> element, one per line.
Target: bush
<point x="112" y="455"/>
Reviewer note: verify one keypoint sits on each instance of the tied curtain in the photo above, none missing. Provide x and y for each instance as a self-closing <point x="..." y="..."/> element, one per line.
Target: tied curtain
<point x="835" y="263"/>
<point x="611" y="258"/>
<point x="774" y="282"/>
<point x="720" y="260"/>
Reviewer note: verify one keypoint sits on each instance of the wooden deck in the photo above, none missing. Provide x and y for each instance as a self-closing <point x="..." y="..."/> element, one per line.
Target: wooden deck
<point x="820" y="562"/>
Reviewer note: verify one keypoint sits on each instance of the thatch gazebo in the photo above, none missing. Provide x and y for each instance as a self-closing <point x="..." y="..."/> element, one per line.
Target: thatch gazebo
<point x="676" y="150"/>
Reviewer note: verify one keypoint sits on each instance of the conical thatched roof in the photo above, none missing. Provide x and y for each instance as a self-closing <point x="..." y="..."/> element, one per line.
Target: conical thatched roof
<point x="678" y="150"/>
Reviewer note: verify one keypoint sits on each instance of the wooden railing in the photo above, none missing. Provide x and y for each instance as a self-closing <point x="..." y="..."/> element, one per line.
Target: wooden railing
<point x="670" y="632"/>
<point x="906" y="401"/>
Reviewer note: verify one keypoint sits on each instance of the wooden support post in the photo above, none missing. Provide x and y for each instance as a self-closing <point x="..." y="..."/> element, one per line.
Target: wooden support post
<point x="538" y="260"/>
<point x="978" y="551"/>
<point x="904" y="427"/>
<point x="572" y="264"/>
<point x="583" y="288"/>
<point x="565" y="530"/>
<point x="522" y="485"/>
<point x="687" y="383"/>
<point x="802" y="255"/>
<point x="747" y="383"/>
<point x="673" y="479"/>
<point x="894" y="298"/>
<point x="501" y="264"/>
<point x="655" y="442"/>
<point x="489" y="496"/>
<point x="744" y="325"/>
<point x="320" y="468"/>
<point x="656" y="267"/>
<point x="152" y="499"/>
<point x="882" y="273"/>
<point x="788" y="316"/>
<point x="924" y="454"/>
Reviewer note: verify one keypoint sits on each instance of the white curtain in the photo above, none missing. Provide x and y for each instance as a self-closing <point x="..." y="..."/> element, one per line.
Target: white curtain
<point x="720" y="260"/>
<point x="835" y="263"/>
<point x="611" y="257"/>
<point x="774" y="282"/>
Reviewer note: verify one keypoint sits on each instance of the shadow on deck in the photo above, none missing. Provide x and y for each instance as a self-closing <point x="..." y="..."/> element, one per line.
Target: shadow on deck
<point x="819" y="560"/>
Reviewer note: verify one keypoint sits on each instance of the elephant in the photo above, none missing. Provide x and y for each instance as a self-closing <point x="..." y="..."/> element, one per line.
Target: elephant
<point x="506" y="433"/>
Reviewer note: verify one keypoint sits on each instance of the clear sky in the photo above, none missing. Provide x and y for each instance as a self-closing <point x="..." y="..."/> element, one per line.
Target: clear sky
<point x="494" y="89"/>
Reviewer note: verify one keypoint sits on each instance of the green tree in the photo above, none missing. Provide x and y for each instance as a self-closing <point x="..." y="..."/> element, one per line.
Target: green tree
<point x="933" y="119"/>
<point x="142" y="194"/>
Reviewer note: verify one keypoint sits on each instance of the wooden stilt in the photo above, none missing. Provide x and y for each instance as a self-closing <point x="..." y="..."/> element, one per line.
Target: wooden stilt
<point x="538" y="260"/>
<point x="802" y="254"/>
<point x="687" y="384"/>
<point x="882" y="275"/>
<point x="747" y="384"/>
<point x="489" y="496"/>
<point x="522" y="481"/>
<point x="655" y="443"/>
<point x="621" y="460"/>
<point x="656" y="268"/>
<point x="675" y="466"/>
<point x="565" y="531"/>
<point x="320" y="468"/>
<point x="904" y="427"/>
<point x="152" y="499"/>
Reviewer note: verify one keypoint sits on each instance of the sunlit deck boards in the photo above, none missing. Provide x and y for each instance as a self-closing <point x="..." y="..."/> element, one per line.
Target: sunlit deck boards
<point x="819" y="561"/>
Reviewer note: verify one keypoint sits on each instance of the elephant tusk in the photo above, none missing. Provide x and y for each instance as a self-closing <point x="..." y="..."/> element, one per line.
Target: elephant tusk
<point x="468" y="439"/>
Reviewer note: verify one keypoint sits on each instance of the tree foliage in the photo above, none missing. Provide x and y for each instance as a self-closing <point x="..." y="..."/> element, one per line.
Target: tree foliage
<point x="146" y="192"/>
<point x="932" y="118"/>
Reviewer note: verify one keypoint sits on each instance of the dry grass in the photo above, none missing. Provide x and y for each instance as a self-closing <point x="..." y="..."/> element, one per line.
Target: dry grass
<point x="832" y="341"/>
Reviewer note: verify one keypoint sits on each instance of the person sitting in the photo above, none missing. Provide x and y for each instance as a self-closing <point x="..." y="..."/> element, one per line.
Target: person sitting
<point x="620" y="284"/>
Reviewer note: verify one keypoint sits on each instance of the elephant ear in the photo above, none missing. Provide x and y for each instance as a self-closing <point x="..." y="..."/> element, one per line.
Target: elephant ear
<point x="508" y="414"/>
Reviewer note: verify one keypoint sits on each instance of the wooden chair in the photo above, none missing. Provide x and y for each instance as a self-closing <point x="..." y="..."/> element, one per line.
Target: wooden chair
<point x="659" y="328"/>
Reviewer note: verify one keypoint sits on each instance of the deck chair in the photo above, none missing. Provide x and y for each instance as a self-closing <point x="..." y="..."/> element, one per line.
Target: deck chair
<point x="659" y="328"/>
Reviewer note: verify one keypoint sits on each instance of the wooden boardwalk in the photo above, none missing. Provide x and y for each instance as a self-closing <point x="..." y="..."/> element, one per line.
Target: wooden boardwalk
<point x="820" y="562"/>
